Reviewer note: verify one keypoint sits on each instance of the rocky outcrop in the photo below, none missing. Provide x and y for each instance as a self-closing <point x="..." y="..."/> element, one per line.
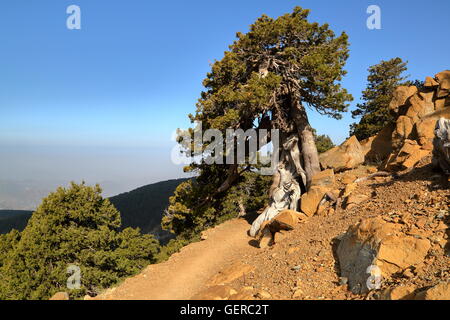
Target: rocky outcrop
<point x="374" y="243"/>
<point x="416" y="114"/>
<point x="407" y="157"/>
<point x="379" y="147"/>
<point x="443" y="78"/>
<point x="403" y="144"/>
<point x="400" y="96"/>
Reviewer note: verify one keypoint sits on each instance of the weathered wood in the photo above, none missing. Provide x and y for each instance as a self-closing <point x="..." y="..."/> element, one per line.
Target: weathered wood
<point x="441" y="142"/>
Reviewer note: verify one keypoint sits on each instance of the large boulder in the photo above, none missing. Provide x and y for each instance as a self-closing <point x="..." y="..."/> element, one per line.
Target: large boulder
<point x="419" y="107"/>
<point x="440" y="291"/>
<point x="416" y="111"/>
<point x="407" y="157"/>
<point x="400" y="96"/>
<point x="444" y="83"/>
<point x="347" y="156"/>
<point x="374" y="243"/>
<point x="425" y="132"/>
<point x="309" y="202"/>
<point x="321" y="183"/>
<point x="378" y="148"/>
<point x="430" y="83"/>
<point x="403" y="129"/>
<point x="324" y="178"/>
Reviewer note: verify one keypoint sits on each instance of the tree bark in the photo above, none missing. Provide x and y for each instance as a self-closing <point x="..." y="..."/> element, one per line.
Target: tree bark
<point x="299" y="162"/>
<point x="308" y="145"/>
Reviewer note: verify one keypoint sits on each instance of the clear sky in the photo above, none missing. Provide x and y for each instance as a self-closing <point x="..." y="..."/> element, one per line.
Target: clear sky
<point x="101" y="103"/>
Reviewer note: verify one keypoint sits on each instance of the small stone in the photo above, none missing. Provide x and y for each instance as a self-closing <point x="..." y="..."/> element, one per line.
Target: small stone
<point x="264" y="295"/>
<point x="60" y="296"/>
<point x="408" y="274"/>
<point x="296" y="268"/>
<point x="298" y="293"/>
<point x="266" y="239"/>
<point x="399" y="293"/>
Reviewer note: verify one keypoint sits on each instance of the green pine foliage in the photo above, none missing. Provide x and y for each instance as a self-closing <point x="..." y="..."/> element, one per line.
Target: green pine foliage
<point x="7" y="243"/>
<point x="72" y="226"/>
<point x="250" y="191"/>
<point x="323" y="142"/>
<point x="383" y="79"/>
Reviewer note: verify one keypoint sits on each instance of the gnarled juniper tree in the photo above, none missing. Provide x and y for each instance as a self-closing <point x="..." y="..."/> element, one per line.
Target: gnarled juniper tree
<point x="266" y="80"/>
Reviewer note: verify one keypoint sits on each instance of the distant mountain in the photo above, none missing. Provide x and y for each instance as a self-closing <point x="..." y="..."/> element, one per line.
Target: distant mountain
<point x="142" y="207"/>
<point x="13" y="219"/>
<point x="28" y="194"/>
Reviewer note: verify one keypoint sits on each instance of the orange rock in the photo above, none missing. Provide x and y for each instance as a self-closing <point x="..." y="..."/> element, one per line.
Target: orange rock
<point x="60" y="296"/>
<point x="444" y="83"/>
<point x="348" y="178"/>
<point x="400" y="96"/>
<point x="402" y="131"/>
<point x="438" y="292"/>
<point x="425" y="132"/>
<point x="355" y="199"/>
<point x="430" y="83"/>
<point x="310" y="200"/>
<point x="400" y="252"/>
<point x="374" y="242"/>
<point x="324" y="178"/>
<point x="348" y="155"/>
<point x="400" y="293"/>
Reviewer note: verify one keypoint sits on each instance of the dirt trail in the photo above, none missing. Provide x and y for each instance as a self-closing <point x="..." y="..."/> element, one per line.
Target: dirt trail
<point x="186" y="272"/>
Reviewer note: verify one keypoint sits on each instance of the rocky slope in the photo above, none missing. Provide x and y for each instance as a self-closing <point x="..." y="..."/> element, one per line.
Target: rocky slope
<point x="304" y="263"/>
<point x="307" y="263"/>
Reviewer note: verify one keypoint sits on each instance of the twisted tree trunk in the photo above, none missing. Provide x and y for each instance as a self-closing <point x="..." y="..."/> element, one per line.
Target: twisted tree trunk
<point x="299" y="161"/>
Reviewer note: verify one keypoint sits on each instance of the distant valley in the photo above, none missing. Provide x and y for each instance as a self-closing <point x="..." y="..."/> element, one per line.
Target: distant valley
<point x="142" y="207"/>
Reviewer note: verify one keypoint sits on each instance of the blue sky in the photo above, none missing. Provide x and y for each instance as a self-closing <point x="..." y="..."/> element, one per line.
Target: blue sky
<point x="130" y="76"/>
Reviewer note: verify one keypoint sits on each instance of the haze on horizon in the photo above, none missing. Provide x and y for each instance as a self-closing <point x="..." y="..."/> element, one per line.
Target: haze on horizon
<point x="101" y="104"/>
